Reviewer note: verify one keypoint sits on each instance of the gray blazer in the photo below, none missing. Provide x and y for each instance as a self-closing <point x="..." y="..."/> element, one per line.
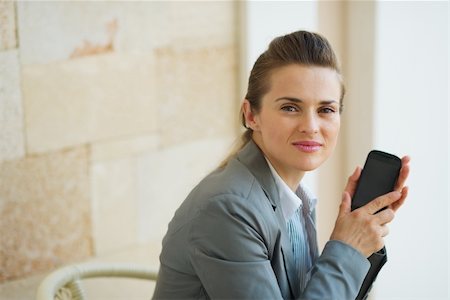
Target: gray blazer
<point x="228" y="240"/>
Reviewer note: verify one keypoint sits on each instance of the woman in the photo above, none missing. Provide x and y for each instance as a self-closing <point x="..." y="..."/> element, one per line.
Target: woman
<point x="247" y="230"/>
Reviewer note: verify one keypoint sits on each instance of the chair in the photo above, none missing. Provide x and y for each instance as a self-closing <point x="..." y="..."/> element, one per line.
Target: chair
<point x="65" y="283"/>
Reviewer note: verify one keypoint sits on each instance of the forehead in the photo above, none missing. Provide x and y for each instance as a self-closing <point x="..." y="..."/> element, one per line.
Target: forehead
<point x="305" y="82"/>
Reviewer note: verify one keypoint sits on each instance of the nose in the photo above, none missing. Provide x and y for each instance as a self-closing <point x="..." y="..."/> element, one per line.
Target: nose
<point x="309" y="123"/>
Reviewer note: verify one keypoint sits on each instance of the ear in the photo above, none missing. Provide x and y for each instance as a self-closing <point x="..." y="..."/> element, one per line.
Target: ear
<point x="251" y="120"/>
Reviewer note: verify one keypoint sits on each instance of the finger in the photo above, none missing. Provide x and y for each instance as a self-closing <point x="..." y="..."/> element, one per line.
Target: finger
<point x="345" y="206"/>
<point x="384" y="230"/>
<point x="381" y="202"/>
<point x="397" y="204"/>
<point x="385" y="216"/>
<point x="404" y="172"/>
<point x="406" y="159"/>
<point x="353" y="181"/>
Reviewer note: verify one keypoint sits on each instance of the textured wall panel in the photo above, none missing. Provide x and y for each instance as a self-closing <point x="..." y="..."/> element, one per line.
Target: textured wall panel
<point x="88" y="99"/>
<point x="7" y="25"/>
<point x="197" y="91"/>
<point x="11" y="112"/>
<point x="114" y="205"/>
<point x="44" y="212"/>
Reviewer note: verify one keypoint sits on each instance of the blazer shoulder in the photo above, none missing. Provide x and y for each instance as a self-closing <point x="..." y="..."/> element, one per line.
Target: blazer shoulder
<point x="231" y="188"/>
<point x="234" y="178"/>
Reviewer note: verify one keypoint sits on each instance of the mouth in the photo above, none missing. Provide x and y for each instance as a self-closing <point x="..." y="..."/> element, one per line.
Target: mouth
<point x="308" y="146"/>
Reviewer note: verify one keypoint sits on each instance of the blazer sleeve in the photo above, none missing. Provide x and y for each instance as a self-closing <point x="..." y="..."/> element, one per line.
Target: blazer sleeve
<point x="229" y="247"/>
<point x="337" y="274"/>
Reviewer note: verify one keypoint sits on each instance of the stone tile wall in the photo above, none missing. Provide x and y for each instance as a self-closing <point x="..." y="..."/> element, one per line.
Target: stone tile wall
<point x="8" y="29"/>
<point x="45" y="217"/>
<point x="110" y="112"/>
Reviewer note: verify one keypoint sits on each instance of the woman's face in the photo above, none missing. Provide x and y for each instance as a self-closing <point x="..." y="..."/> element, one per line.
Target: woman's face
<point x="298" y="124"/>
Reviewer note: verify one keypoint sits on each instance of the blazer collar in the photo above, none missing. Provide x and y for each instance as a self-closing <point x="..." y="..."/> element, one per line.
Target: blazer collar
<point x="253" y="158"/>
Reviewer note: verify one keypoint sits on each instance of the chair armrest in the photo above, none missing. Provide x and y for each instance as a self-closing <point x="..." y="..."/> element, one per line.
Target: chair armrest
<point x="62" y="277"/>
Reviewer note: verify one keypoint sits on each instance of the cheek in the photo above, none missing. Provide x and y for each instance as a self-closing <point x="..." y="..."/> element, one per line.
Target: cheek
<point x="282" y="130"/>
<point x="331" y="130"/>
<point x="271" y="127"/>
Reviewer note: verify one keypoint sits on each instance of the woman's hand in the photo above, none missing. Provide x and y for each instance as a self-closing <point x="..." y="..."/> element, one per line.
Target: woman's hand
<point x="400" y="185"/>
<point x="362" y="228"/>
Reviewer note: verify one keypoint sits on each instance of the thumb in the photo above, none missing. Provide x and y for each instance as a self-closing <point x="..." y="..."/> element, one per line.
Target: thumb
<point x="345" y="206"/>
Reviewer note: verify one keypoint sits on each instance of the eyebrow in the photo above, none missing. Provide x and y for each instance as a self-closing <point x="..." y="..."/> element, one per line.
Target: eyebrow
<point x="300" y="100"/>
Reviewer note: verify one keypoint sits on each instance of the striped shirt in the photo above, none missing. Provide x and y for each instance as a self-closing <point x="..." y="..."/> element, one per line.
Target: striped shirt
<point x="297" y="211"/>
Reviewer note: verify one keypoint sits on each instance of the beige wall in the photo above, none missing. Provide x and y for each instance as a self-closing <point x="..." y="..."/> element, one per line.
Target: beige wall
<point x="109" y="114"/>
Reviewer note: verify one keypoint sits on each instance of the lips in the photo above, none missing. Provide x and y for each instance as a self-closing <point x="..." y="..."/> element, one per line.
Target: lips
<point x="308" y="146"/>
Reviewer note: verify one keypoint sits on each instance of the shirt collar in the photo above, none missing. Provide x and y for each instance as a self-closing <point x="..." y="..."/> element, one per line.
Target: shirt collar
<point x="290" y="201"/>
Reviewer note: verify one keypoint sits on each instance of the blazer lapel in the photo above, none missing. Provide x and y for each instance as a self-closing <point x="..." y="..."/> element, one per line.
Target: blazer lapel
<point x="253" y="158"/>
<point x="288" y="254"/>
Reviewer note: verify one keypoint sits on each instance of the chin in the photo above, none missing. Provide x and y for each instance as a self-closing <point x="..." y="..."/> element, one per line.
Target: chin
<point x="308" y="166"/>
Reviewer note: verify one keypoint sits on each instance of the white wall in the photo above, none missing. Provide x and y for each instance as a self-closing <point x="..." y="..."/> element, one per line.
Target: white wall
<point x="266" y="20"/>
<point x="411" y="117"/>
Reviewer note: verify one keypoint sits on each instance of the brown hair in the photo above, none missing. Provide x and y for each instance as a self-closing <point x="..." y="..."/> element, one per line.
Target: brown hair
<point x="299" y="47"/>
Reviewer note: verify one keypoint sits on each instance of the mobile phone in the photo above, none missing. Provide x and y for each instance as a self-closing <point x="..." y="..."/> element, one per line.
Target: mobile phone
<point x="378" y="177"/>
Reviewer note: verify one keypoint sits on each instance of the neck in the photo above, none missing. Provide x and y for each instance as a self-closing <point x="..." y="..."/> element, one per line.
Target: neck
<point x="291" y="177"/>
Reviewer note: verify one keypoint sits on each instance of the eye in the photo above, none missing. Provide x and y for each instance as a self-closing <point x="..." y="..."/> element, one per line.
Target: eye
<point x="289" y="108"/>
<point x="327" y="110"/>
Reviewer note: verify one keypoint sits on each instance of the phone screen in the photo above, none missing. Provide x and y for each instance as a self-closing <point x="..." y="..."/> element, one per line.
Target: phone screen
<point x="378" y="177"/>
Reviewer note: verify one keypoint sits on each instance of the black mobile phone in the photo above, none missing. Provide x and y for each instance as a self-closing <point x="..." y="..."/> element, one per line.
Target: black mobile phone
<point x="378" y="177"/>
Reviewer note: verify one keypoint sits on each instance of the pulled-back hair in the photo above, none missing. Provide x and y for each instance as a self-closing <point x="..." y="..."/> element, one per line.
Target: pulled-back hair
<point x="299" y="47"/>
